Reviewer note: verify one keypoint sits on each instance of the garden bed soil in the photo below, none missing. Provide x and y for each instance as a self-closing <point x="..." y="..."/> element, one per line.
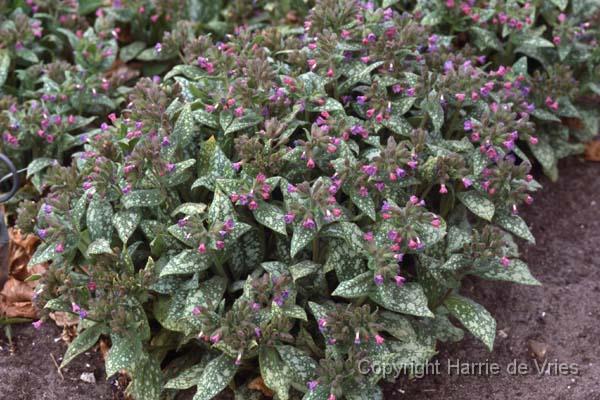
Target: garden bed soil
<point x="562" y="315"/>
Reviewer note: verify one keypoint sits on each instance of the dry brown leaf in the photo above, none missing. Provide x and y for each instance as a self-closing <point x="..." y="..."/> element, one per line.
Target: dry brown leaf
<point x="104" y="346"/>
<point x="592" y="150"/>
<point x="68" y="322"/>
<point x="16" y="296"/>
<point x="259" y="384"/>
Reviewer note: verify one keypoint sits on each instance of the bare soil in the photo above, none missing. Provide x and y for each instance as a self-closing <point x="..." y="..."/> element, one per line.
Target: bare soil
<point x="563" y="314"/>
<point x="28" y="372"/>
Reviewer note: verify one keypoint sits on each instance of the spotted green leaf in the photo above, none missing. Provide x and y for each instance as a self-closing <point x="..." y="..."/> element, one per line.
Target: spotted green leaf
<point x="356" y="287"/>
<point x="180" y="174"/>
<point x="544" y="153"/>
<point x="408" y="299"/>
<point x="301" y="238"/>
<point x="44" y="252"/>
<point x="561" y="4"/>
<point x="205" y="118"/>
<point x="184" y="130"/>
<point x="126" y="222"/>
<point x="364" y="203"/>
<point x="189" y="209"/>
<point x="517" y="271"/>
<point x="359" y="73"/>
<point x="39" y="164"/>
<point x="537" y="41"/>
<point x="221" y="208"/>
<point x="186" y="262"/>
<point x="142" y="198"/>
<point x="187" y="378"/>
<point x="474" y="317"/>
<point x="131" y="51"/>
<point x="303" y="268"/>
<point x="99" y="219"/>
<point x="301" y="366"/>
<point x="215" y="377"/>
<point x="514" y="224"/>
<point x="123" y="354"/>
<point x="270" y="216"/>
<point x="274" y="372"/>
<point x="247" y="121"/>
<point x="4" y="65"/>
<point x="147" y="379"/>
<point x="398" y="125"/>
<point x="99" y="246"/>
<point x="435" y="110"/>
<point x="484" y="39"/>
<point x="478" y="204"/>
<point x="545" y="115"/>
<point x="344" y="260"/>
<point x="83" y="342"/>
<point x="321" y="392"/>
<point x="348" y="231"/>
<point x="454" y="263"/>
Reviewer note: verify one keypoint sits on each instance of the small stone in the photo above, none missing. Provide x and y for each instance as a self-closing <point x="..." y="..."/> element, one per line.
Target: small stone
<point x="503" y="333"/>
<point x="88" y="377"/>
<point x="538" y="349"/>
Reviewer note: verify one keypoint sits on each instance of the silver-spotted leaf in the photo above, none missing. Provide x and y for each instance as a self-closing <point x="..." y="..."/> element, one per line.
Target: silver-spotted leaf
<point x="215" y="377"/>
<point x="478" y="204"/>
<point x="408" y="299"/>
<point x="126" y="222"/>
<point x="473" y="317"/>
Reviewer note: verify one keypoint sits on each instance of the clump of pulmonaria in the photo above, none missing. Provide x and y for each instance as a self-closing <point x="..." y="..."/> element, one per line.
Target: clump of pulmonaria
<point x="348" y="325"/>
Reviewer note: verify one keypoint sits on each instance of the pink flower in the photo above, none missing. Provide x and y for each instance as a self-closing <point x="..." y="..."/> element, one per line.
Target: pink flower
<point x="379" y="339"/>
<point x="460" y="96"/>
<point x="202" y="248"/>
<point x="37" y="324"/>
<point x="399" y="280"/>
<point x="505" y="261"/>
<point x="443" y="189"/>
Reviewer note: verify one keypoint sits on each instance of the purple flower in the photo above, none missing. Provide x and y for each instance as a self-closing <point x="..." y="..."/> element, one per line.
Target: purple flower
<point x="42" y="233"/>
<point x="399" y="280"/>
<point x="468" y="125"/>
<point x="378" y="279"/>
<point x="312" y="385"/>
<point x="309" y="223"/>
<point x="37" y="324"/>
<point x="289" y="217"/>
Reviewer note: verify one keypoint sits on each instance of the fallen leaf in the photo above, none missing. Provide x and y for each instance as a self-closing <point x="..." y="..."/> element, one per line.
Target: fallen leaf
<point x="16" y="297"/>
<point x="259" y="384"/>
<point x="592" y="150"/>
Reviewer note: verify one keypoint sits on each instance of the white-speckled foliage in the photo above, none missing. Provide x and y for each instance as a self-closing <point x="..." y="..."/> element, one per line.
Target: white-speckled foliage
<point x="474" y="317"/>
<point x="286" y="201"/>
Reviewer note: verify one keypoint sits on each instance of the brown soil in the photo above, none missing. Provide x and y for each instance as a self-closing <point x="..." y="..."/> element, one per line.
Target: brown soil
<point x="563" y="313"/>
<point x="29" y="373"/>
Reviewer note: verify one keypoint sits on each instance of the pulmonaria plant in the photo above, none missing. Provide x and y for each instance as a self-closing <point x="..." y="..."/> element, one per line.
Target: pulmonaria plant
<point x="294" y="203"/>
